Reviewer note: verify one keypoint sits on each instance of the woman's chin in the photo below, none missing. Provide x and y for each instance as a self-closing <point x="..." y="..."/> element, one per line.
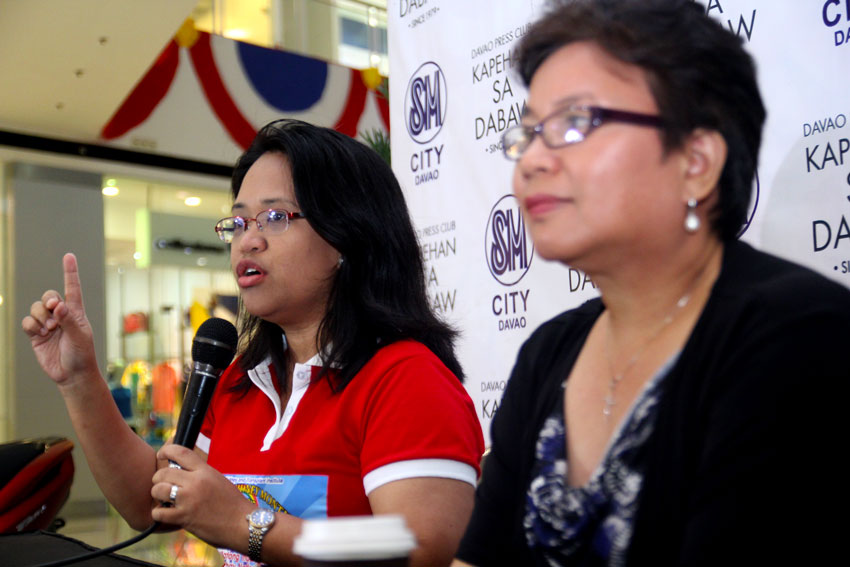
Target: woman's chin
<point x="255" y="310"/>
<point x="552" y="251"/>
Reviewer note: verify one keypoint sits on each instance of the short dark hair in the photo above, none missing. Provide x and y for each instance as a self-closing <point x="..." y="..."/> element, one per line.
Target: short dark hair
<point x="698" y="72"/>
<point x="351" y="198"/>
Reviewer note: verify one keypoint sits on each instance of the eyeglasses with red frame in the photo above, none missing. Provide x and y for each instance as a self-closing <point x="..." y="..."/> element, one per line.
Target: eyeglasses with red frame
<point x="273" y="220"/>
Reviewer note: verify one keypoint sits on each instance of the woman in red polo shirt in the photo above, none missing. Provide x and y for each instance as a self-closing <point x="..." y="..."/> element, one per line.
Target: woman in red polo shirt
<point x="346" y="397"/>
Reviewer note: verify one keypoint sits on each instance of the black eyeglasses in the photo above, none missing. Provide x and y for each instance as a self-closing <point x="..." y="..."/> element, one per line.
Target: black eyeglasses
<point x="567" y="126"/>
<point x="273" y="220"/>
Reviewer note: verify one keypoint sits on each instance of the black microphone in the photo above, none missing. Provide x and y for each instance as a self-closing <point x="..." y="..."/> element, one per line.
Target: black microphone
<point x="212" y="351"/>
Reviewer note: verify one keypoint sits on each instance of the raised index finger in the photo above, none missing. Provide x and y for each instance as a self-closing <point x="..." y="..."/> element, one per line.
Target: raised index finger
<point x="73" y="290"/>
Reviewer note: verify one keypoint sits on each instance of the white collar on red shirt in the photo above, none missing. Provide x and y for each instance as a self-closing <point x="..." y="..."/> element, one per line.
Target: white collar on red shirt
<point x="261" y="376"/>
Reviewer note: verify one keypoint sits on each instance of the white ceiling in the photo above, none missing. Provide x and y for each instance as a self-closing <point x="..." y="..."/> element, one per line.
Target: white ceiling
<point x="65" y="68"/>
<point x="44" y="44"/>
<point x="67" y="65"/>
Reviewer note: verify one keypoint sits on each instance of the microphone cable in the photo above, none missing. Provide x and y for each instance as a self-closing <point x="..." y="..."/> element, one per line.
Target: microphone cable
<point x="213" y="349"/>
<point x="99" y="552"/>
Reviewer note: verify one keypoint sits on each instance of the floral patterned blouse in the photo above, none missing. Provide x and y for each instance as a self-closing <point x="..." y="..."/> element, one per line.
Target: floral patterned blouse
<point x="590" y="524"/>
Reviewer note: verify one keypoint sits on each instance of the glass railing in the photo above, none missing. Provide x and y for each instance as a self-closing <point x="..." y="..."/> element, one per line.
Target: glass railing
<point x="348" y="32"/>
<point x="5" y="312"/>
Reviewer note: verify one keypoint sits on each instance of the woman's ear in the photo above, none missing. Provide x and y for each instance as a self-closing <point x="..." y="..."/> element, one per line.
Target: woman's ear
<point x="705" y="156"/>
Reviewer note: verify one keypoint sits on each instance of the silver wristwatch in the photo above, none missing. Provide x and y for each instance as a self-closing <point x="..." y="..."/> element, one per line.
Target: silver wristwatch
<point x="260" y="521"/>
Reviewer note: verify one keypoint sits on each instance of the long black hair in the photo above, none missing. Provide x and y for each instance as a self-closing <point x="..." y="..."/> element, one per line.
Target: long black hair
<point x="351" y="198"/>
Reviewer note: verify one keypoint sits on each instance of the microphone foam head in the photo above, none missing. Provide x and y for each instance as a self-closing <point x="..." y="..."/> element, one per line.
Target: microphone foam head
<point x="215" y="343"/>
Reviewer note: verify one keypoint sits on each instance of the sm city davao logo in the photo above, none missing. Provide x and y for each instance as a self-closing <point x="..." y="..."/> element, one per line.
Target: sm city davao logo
<point x="507" y="245"/>
<point x="837" y="18"/>
<point x="425" y="103"/>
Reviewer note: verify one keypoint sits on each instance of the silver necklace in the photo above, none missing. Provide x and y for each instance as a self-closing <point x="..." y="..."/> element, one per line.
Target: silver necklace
<point x="616" y="378"/>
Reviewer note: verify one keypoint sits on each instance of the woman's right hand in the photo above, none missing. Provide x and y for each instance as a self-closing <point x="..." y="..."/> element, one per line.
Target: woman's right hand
<point x="59" y="330"/>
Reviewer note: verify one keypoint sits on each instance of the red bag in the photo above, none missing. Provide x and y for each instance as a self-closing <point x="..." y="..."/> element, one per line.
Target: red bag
<point x="35" y="481"/>
<point x="135" y="322"/>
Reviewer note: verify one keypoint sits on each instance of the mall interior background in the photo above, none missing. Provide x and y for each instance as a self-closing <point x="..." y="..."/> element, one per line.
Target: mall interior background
<point x="151" y="265"/>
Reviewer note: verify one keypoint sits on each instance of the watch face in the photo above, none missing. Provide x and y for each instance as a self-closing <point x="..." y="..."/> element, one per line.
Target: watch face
<point x="262" y="518"/>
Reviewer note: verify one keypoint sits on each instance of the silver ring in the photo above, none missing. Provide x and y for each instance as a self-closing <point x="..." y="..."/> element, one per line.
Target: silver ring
<point x="173" y="494"/>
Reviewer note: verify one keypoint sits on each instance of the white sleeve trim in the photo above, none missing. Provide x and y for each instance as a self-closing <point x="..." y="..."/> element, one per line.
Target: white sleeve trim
<point x="418" y="468"/>
<point x="203" y="443"/>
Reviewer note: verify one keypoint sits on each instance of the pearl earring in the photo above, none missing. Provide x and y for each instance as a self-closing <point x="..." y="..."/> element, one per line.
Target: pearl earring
<point x="691" y="219"/>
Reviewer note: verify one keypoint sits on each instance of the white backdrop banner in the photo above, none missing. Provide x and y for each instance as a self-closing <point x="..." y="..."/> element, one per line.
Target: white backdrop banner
<point x="454" y="89"/>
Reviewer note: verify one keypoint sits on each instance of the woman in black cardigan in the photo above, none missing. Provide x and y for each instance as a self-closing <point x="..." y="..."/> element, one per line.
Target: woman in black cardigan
<point x="688" y="415"/>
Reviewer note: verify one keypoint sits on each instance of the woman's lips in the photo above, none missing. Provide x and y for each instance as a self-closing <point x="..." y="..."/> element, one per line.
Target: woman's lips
<point x="541" y="204"/>
<point x="249" y="281"/>
<point x="249" y="274"/>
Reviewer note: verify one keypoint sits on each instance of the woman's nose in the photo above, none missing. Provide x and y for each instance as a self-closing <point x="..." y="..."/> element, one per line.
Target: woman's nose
<point x="537" y="158"/>
<point x="252" y="238"/>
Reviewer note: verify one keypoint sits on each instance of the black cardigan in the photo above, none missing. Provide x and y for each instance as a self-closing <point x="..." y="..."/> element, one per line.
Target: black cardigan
<point x="740" y="467"/>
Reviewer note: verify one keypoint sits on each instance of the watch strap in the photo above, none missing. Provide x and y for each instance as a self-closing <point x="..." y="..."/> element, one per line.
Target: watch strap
<point x="255" y="541"/>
